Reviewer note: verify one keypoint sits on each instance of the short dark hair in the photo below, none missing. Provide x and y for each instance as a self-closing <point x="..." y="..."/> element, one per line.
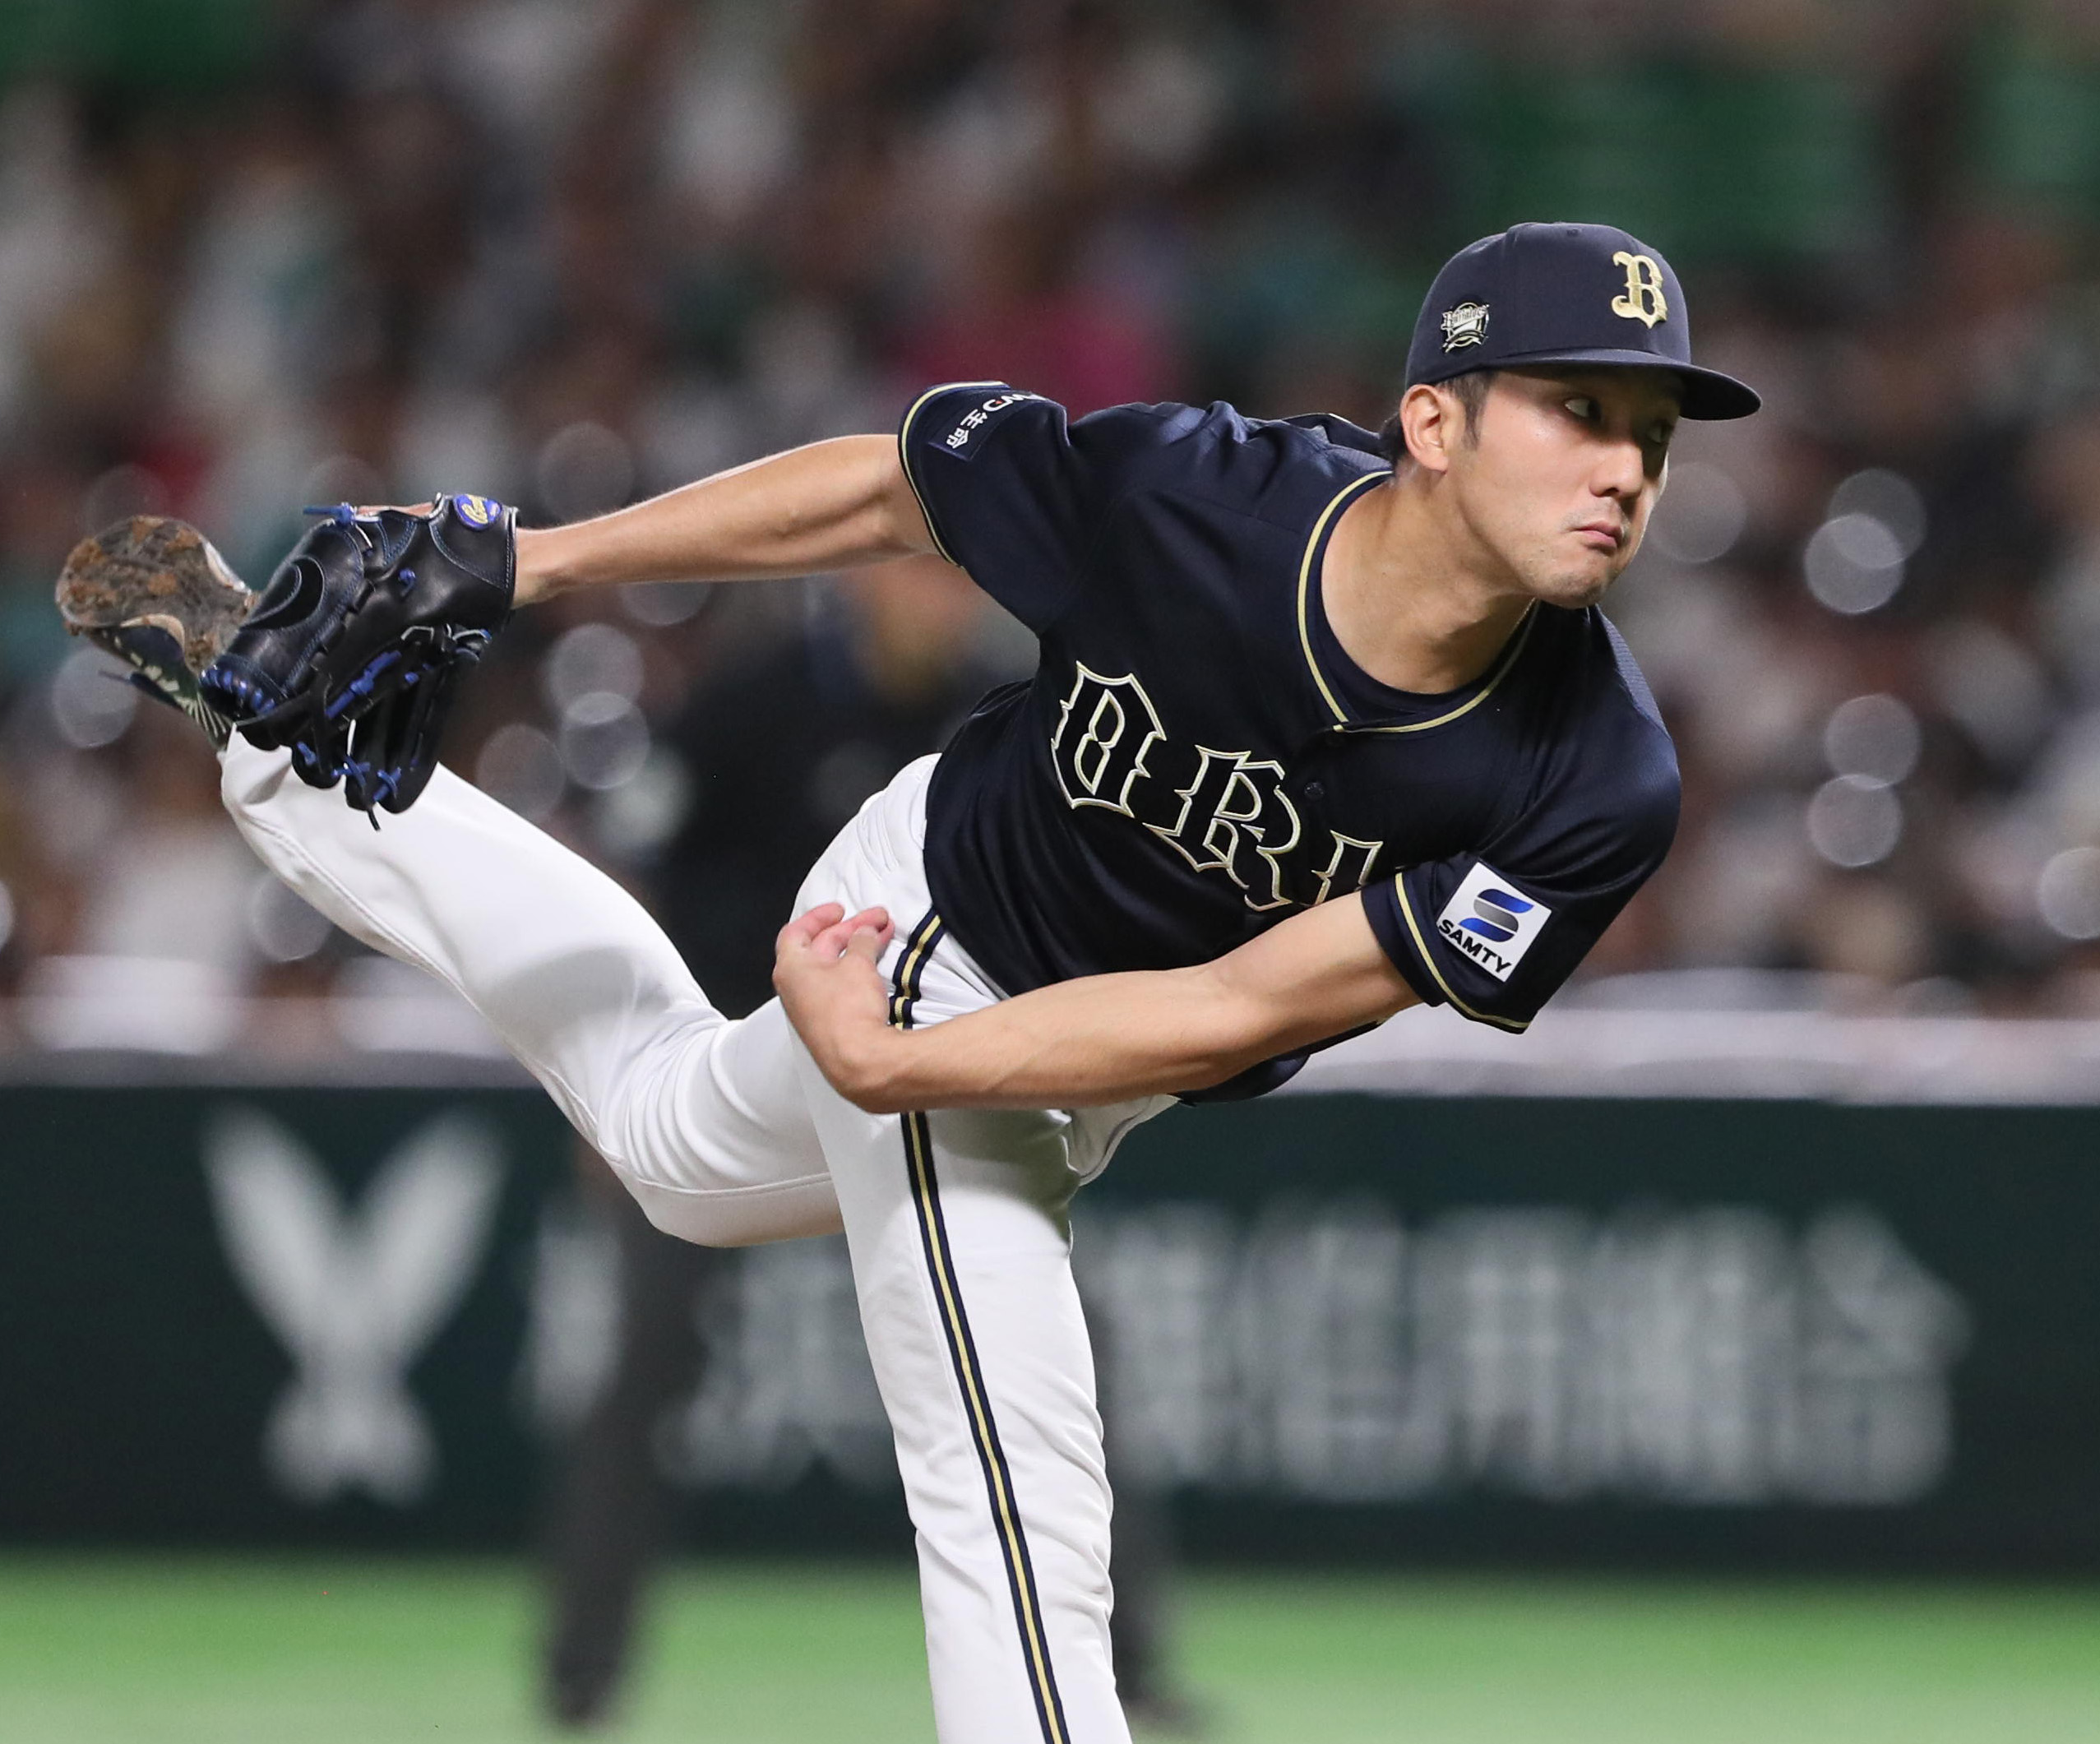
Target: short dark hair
<point x="1469" y="390"/>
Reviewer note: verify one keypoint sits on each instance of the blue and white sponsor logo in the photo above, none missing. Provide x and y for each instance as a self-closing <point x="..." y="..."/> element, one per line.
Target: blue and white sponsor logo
<point x="1497" y="915"/>
<point x="1489" y="923"/>
<point x="477" y="511"/>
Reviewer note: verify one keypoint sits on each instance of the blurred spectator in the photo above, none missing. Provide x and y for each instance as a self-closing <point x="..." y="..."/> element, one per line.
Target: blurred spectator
<point x="260" y="256"/>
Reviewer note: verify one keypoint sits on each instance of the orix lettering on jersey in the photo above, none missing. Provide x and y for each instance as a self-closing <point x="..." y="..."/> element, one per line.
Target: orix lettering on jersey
<point x="1222" y="811"/>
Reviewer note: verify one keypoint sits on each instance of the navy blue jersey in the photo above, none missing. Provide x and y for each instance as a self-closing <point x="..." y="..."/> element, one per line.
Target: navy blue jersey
<point x="1197" y="757"/>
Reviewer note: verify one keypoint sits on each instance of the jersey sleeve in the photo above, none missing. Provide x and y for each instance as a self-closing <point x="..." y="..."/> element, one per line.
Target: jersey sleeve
<point x="1494" y="933"/>
<point x="1014" y="494"/>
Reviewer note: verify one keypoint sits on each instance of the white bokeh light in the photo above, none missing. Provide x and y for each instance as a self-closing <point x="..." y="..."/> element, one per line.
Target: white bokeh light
<point x="284" y="929"/>
<point x="604" y="741"/>
<point x="519" y="767"/>
<point x="592" y="658"/>
<point x="1876" y="736"/>
<point x="2068" y="893"/>
<point x="1886" y="497"/>
<point x="1701" y="516"/>
<point x="91" y="703"/>
<point x="1853" y="564"/>
<point x="1854" y="820"/>
<point x="583" y="469"/>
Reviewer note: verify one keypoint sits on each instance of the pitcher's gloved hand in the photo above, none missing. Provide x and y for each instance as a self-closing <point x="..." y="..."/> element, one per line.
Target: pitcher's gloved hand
<point x="353" y="652"/>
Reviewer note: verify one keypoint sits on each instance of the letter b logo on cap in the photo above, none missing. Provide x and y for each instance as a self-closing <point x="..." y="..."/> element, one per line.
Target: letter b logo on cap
<point x="1643" y="299"/>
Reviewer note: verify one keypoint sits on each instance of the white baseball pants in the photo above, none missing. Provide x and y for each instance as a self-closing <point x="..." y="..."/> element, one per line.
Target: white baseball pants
<point x="726" y="1134"/>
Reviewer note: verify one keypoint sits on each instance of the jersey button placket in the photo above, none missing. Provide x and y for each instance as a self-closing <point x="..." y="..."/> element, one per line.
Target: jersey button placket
<point x="1308" y="782"/>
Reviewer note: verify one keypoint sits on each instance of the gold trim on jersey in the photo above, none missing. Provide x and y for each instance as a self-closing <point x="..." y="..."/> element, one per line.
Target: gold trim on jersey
<point x="1305" y="583"/>
<point x="904" y="459"/>
<point x="1421" y="947"/>
<point x="1507" y="660"/>
<point x="962" y="1351"/>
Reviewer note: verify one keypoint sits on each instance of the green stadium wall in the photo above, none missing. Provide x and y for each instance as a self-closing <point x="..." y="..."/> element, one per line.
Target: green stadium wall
<point x="1337" y="1327"/>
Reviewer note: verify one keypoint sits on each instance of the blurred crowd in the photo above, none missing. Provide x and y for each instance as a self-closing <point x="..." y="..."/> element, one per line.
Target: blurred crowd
<point x="568" y="255"/>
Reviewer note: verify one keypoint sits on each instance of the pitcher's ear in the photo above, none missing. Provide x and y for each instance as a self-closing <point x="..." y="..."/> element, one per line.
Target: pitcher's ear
<point x="1431" y="423"/>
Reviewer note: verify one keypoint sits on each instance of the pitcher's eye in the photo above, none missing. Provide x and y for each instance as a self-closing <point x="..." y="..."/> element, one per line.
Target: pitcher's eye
<point x="1583" y="406"/>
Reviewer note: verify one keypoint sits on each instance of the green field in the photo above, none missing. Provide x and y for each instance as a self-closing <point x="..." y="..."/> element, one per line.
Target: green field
<point x="223" y="1651"/>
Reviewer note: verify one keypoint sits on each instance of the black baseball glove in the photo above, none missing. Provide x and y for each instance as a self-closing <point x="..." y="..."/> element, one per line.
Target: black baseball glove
<point x="353" y="652"/>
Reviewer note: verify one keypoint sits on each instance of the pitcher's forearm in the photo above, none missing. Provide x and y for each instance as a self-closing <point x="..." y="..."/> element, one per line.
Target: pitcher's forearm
<point x="1094" y="1039"/>
<point x="1104" y="1038"/>
<point x="830" y="506"/>
<point x="1078" y="1044"/>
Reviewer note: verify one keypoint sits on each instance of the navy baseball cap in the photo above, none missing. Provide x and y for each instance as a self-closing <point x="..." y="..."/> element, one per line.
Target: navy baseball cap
<point x="1543" y="293"/>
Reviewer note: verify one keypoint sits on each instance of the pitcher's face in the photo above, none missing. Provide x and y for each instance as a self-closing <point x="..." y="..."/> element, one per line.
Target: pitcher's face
<point x="1564" y="470"/>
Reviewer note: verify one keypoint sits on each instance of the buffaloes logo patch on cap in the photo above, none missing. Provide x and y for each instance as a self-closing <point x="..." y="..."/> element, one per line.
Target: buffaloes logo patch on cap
<point x="1466" y="325"/>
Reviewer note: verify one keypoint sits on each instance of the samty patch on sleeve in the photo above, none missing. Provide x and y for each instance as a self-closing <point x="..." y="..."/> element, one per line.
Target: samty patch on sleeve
<point x="1489" y="921"/>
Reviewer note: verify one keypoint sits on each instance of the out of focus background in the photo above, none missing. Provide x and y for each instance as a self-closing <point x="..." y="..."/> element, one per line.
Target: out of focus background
<point x="1678" y="1370"/>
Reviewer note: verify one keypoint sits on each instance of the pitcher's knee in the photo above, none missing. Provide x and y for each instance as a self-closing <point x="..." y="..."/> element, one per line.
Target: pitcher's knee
<point x="738" y="1217"/>
<point x="688" y="1216"/>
